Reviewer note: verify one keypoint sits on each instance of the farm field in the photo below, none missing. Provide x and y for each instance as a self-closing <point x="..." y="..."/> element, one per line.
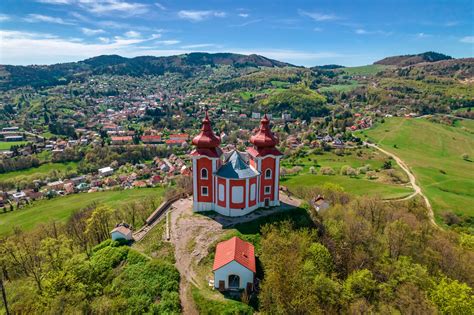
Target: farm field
<point x="434" y="152"/>
<point x="8" y="145"/>
<point x="383" y="186"/>
<point x="35" y="172"/>
<point x="60" y="208"/>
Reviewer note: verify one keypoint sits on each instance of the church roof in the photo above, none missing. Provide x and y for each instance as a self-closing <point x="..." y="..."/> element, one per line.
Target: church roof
<point x="264" y="137"/>
<point x="236" y="167"/>
<point x="206" y="139"/>
<point x="235" y="249"/>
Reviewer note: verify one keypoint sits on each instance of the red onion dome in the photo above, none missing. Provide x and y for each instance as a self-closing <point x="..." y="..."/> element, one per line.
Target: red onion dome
<point x="206" y="139"/>
<point x="264" y="137"/>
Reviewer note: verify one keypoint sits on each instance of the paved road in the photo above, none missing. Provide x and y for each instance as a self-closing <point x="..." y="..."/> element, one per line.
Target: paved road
<point x="411" y="177"/>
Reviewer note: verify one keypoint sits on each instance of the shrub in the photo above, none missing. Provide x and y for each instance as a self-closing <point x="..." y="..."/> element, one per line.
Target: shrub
<point x="327" y="170"/>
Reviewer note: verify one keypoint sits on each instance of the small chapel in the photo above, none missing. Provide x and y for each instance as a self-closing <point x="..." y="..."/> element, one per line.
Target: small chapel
<point x="235" y="183"/>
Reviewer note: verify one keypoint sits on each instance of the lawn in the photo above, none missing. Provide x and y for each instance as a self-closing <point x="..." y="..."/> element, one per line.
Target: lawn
<point x="358" y="185"/>
<point x="434" y="153"/>
<point x="60" y="208"/>
<point x="8" y="145"/>
<point x="35" y="172"/>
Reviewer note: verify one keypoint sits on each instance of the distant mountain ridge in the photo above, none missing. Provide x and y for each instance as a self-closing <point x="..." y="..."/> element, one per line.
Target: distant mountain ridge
<point x="408" y="60"/>
<point x="48" y="75"/>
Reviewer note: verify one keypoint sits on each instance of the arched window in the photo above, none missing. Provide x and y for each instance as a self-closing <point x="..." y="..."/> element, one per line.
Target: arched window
<point x="234" y="282"/>
<point x="204" y="173"/>
<point x="268" y="174"/>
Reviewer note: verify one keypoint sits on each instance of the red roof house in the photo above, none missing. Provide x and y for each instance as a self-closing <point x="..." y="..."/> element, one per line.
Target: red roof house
<point x="234" y="265"/>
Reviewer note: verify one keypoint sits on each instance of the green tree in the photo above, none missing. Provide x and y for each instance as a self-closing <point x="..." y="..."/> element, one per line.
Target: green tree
<point x="453" y="297"/>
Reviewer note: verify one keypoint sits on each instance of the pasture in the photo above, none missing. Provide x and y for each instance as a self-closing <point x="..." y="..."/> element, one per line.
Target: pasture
<point x="60" y="208"/>
<point x="436" y="154"/>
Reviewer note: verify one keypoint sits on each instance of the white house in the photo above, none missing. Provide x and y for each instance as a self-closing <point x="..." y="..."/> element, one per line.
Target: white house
<point x="106" y="171"/>
<point x="121" y="231"/>
<point x="234" y="265"/>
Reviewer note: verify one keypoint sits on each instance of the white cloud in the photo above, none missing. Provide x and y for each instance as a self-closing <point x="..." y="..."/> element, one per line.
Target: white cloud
<point x="317" y="29"/>
<point x="4" y="18"/>
<point x="467" y="40"/>
<point x="422" y="35"/>
<point x="196" y="16"/>
<point x="91" y="32"/>
<point x="194" y="46"/>
<point x="110" y="6"/>
<point x="132" y="34"/>
<point x="317" y="16"/>
<point x="360" y="31"/>
<point x="38" y="18"/>
<point x="160" y="6"/>
<point x="246" y="23"/>
<point x="168" y="42"/>
<point x="244" y="15"/>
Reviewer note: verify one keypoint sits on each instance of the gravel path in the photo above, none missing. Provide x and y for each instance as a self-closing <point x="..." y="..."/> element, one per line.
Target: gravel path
<point x="412" y="179"/>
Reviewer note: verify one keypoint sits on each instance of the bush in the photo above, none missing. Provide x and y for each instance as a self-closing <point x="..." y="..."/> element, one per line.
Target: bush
<point x="327" y="170"/>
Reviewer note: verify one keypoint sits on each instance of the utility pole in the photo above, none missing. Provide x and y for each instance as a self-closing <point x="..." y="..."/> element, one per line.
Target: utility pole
<point x="4" y="294"/>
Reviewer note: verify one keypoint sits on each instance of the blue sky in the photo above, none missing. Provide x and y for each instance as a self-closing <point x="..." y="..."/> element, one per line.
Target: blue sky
<point x="300" y="32"/>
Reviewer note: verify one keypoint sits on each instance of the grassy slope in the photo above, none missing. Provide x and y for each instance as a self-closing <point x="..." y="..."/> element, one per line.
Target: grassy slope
<point x="34" y="172"/>
<point x="430" y="149"/>
<point x="60" y="208"/>
<point x="364" y="70"/>
<point x="359" y="185"/>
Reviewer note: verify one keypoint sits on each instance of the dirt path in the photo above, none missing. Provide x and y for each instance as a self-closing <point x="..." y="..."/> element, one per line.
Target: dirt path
<point x="193" y="234"/>
<point x="411" y="177"/>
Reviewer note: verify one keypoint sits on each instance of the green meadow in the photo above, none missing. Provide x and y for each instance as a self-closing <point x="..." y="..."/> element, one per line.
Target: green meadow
<point x="36" y="172"/>
<point x="358" y="185"/>
<point x="436" y="155"/>
<point x="60" y="209"/>
<point x="8" y="145"/>
<point x="364" y="70"/>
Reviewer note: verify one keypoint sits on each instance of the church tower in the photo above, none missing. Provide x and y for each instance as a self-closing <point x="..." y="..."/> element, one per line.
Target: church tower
<point x="265" y="158"/>
<point x="206" y="160"/>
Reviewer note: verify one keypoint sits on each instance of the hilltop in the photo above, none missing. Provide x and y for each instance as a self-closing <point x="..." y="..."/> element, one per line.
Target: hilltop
<point x="186" y="64"/>
<point x="406" y="60"/>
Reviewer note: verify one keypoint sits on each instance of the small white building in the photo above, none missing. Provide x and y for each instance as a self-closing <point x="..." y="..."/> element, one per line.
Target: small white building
<point x="122" y="231"/>
<point x="106" y="171"/>
<point x="234" y="265"/>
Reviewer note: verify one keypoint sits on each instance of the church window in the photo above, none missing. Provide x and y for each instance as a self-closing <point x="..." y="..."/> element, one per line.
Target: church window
<point x="268" y="174"/>
<point x="204" y="173"/>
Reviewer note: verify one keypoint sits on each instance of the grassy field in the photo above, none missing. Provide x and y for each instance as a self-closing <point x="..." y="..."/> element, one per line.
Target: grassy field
<point x="364" y="70"/>
<point x="339" y="87"/>
<point x="434" y="153"/>
<point x="60" y="208"/>
<point x="358" y="185"/>
<point x="35" y="172"/>
<point x="8" y="145"/>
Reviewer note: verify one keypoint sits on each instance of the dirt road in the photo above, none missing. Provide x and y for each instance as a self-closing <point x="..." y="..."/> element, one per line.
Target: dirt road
<point x="193" y="234"/>
<point x="411" y="177"/>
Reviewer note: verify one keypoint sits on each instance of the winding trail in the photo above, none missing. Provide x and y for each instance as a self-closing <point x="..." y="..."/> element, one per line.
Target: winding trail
<point x="411" y="177"/>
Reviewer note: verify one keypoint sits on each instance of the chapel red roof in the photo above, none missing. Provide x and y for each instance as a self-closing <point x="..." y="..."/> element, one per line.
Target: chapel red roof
<point x="206" y="139"/>
<point x="235" y="249"/>
<point x="264" y="137"/>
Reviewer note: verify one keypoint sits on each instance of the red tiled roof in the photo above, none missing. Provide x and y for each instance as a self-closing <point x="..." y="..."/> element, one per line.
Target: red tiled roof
<point x="170" y="141"/>
<point x="148" y="138"/>
<point x="235" y="249"/>
<point x="179" y="135"/>
<point x="124" y="138"/>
